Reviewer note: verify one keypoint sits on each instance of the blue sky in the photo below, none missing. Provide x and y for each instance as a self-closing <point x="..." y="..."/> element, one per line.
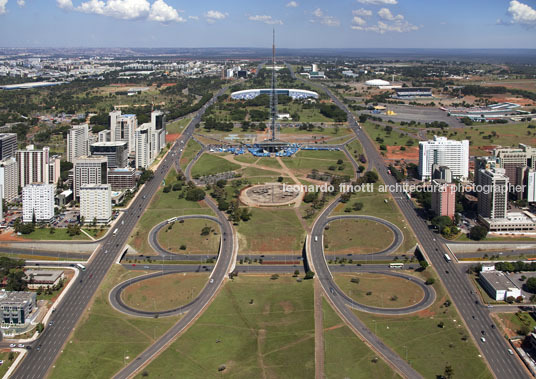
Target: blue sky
<point x="243" y="23"/>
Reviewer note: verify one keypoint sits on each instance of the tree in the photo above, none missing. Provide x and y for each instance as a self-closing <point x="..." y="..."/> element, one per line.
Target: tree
<point x="370" y="177"/>
<point x="510" y="299"/>
<point x="296" y="273"/>
<point x="40" y="327"/>
<point x="206" y="230"/>
<point x="430" y="281"/>
<point x="357" y="206"/>
<point x="309" y="275"/>
<point x="478" y="233"/>
<point x="274" y="277"/>
<point x="195" y="194"/>
<point x="530" y="284"/>
<point x="423" y="264"/>
<point x="449" y="372"/>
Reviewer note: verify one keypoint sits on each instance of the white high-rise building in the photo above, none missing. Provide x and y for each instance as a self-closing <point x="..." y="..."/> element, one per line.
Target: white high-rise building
<point x="531" y="186"/>
<point x="89" y="170"/>
<point x="9" y="179"/>
<point x="96" y="203"/>
<point x="143" y="146"/>
<point x="33" y="165"/>
<point x="123" y="128"/>
<point x="38" y="201"/>
<point x="77" y="142"/>
<point x="444" y="152"/>
<point x="54" y="169"/>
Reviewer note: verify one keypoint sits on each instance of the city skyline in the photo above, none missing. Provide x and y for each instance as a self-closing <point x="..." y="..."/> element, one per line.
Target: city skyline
<point x="346" y="24"/>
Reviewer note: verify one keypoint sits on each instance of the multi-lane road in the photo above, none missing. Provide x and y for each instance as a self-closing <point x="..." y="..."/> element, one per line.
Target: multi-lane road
<point x="475" y="314"/>
<point x="37" y="362"/>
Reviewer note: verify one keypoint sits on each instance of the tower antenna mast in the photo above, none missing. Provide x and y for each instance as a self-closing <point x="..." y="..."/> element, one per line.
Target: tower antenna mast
<point x="274" y="95"/>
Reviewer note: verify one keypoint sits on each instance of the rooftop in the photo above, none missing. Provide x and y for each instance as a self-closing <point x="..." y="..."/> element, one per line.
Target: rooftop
<point x="498" y="280"/>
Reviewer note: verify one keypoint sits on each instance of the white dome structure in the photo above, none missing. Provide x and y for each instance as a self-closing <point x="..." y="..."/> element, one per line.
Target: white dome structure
<point x="377" y="83"/>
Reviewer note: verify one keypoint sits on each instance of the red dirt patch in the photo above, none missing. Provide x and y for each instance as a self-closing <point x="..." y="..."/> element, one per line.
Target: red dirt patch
<point x="411" y="154"/>
<point x="287" y="307"/>
<point x="172" y="137"/>
<point x="338" y="326"/>
<point x="10" y="236"/>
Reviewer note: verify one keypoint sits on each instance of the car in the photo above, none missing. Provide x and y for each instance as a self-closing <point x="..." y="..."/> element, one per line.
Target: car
<point x="145" y="266"/>
<point x="38" y="347"/>
<point x="211" y="280"/>
<point x="510" y="352"/>
<point x="483" y="332"/>
<point x="482" y="339"/>
<point x="20" y="345"/>
<point x="51" y="323"/>
<point x="492" y="326"/>
<point x="12" y="345"/>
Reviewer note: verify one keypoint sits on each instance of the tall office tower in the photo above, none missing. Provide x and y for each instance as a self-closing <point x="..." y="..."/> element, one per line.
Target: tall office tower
<point x="444" y="152"/>
<point x="9" y="178"/>
<point x="493" y="196"/>
<point x="143" y="146"/>
<point x="54" y="169"/>
<point x="104" y="136"/>
<point x="1" y="203"/>
<point x="123" y="128"/>
<point x="33" y="165"/>
<point x="156" y="144"/>
<point x="483" y="163"/>
<point x="77" y="142"/>
<point x="38" y="202"/>
<point x="8" y="145"/>
<point x="443" y="198"/>
<point x="96" y="203"/>
<point x="115" y="152"/>
<point x="89" y="170"/>
<point x="158" y="120"/>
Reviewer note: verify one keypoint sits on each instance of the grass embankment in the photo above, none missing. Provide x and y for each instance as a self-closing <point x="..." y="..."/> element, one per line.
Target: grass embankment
<point x="188" y="235"/>
<point x="345" y="355"/>
<point x="271" y="231"/>
<point x="177" y="126"/>
<point x="428" y="346"/>
<point x="356" y="237"/>
<point x="209" y="164"/>
<point x="256" y="327"/>
<point x="379" y="290"/>
<point x="393" y="138"/>
<point x="59" y="234"/>
<point x="105" y="340"/>
<point x="190" y="151"/>
<point x="164" y="292"/>
<point x="163" y="206"/>
<point x="4" y="356"/>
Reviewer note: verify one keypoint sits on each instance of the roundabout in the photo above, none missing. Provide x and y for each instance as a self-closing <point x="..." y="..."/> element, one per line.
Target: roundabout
<point x="270" y="194"/>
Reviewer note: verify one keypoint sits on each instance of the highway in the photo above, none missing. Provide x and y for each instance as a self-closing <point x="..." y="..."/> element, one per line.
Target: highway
<point x="37" y="363"/>
<point x="475" y="315"/>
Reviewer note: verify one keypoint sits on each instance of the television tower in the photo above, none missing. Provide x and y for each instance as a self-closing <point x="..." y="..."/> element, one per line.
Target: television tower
<point x="273" y="97"/>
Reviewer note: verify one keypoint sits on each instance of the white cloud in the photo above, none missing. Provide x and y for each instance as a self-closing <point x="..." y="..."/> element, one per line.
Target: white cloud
<point x="21" y="3"/>
<point x="65" y="4"/>
<point x="377" y="2"/>
<point x="381" y="27"/>
<point x="322" y="18"/>
<point x="265" y="18"/>
<point x="162" y="12"/>
<point x="362" y="12"/>
<point x="92" y="6"/>
<point x="358" y="21"/>
<point x="127" y="9"/>
<point x="195" y="18"/>
<point x="212" y="16"/>
<point x="3" y="6"/>
<point x="387" y="15"/>
<point x="292" y="4"/>
<point x="522" y="13"/>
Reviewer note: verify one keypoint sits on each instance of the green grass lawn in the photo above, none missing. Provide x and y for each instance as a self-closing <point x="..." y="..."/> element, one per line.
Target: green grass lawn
<point x="188" y="233"/>
<point x="105" y="339"/>
<point x="355" y="148"/>
<point x="256" y="327"/>
<point x="307" y="160"/>
<point x="430" y="348"/>
<point x="385" y="291"/>
<point x="59" y="234"/>
<point x="356" y="237"/>
<point x="374" y="205"/>
<point x="164" y="292"/>
<point x="345" y="355"/>
<point x="253" y="171"/>
<point x="209" y="164"/>
<point x="516" y="321"/>
<point x="271" y="231"/>
<point x="189" y="153"/>
<point x="4" y="356"/>
<point x="163" y="206"/>
<point x="269" y="162"/>
<point x="246" y="158"/>
<point x="177" y="126"/>
<point x="389" y="139"/>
